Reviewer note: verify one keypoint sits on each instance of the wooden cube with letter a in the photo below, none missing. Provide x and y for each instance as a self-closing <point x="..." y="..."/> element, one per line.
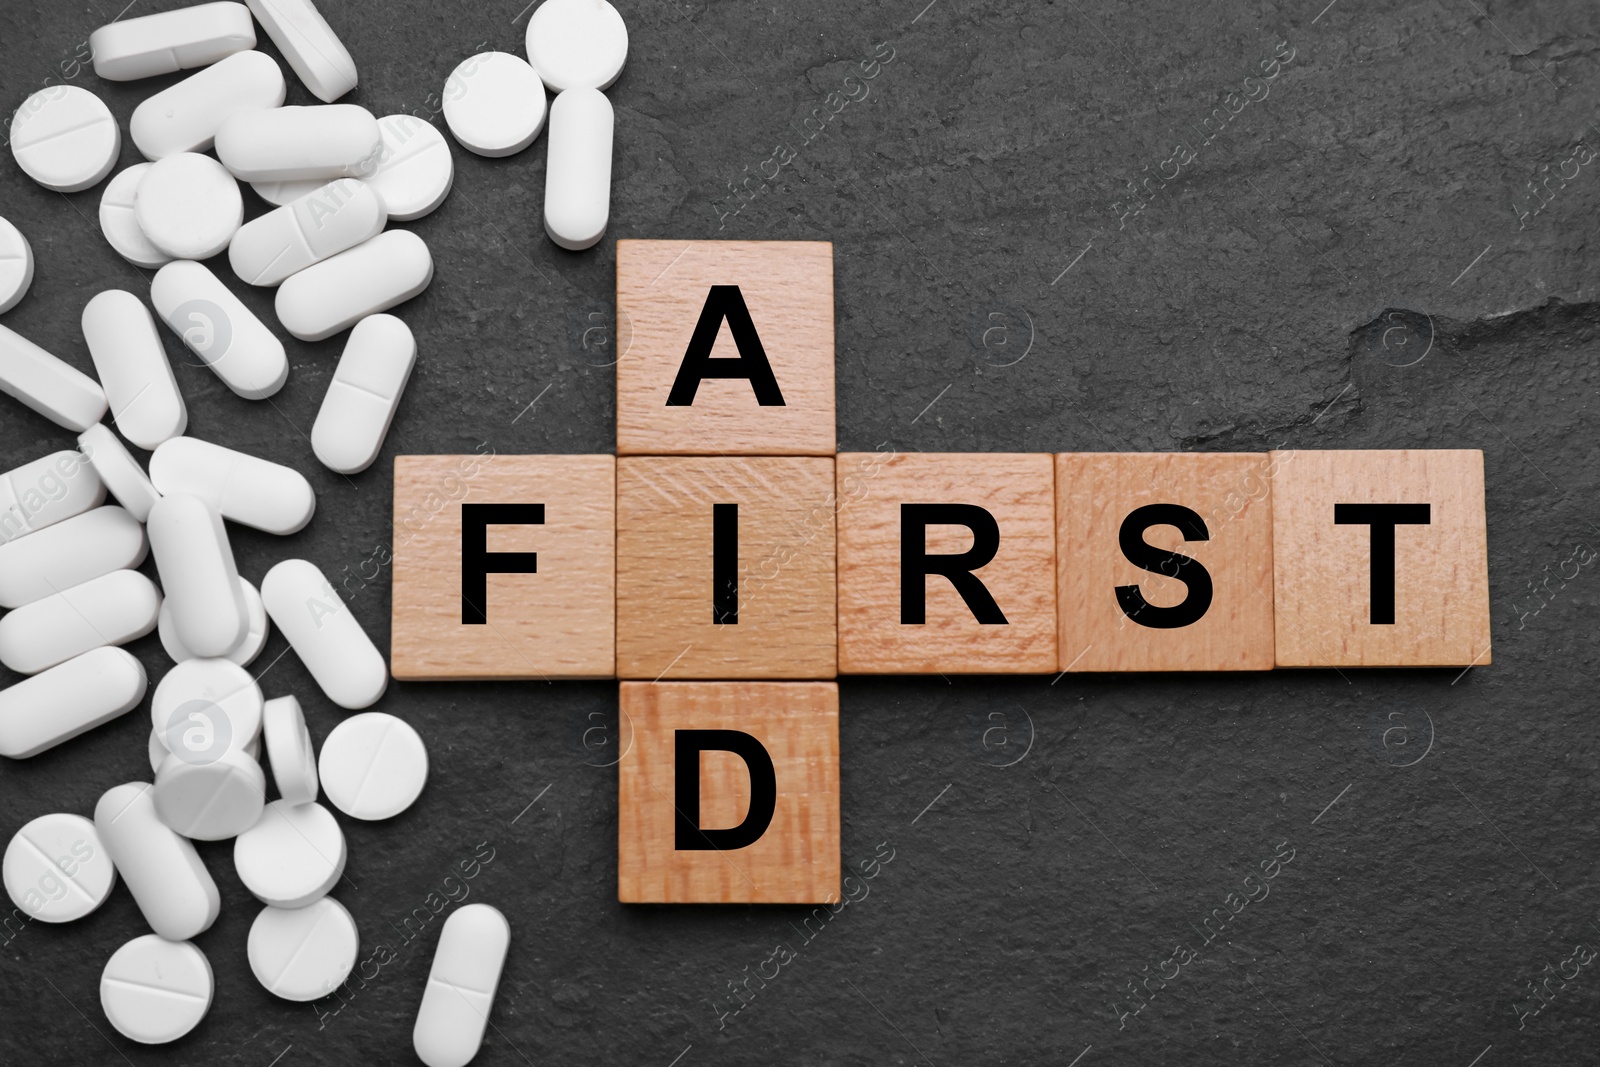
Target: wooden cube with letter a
<point x="1165" y="561"/>
<point x="725" y="348"/>
<point x="1381" y="558"/>
<point x="504" y="567"/>
<point x="729" y="793"/>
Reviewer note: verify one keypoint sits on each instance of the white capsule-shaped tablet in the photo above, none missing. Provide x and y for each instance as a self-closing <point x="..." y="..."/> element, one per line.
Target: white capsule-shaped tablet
<point x="189" y="37"/>
<point x="244" y="653"/>
<point x="186" y="116"/>
<point x="154" y="991"/>
<point x="58" y="391"/>
<point x="16" y="265"/>
<point x="361" y="399"/>
<point x="309" y="44"/>
<point x="337" y="293"/>
<point x="336" y="216"/>
<point x="216" y="326"/>
<point x="204" y="707"/>
<point x="288" y="745"/>
<point x="188" y="205"/>
<point x="56" y="869"/>
<point x="112" y="609"/>
<point x="577" y="44"/>
<point x="195" y="561"/>
<point x="461" y="986"/>
<point x="292" y="856"/>
<point x="494" y="104"/>
<point x="284" y="144"/>
<point x="303" y="953"/>
<point x="69" y="699"/>
<point x="118" y="470"/>
<point x="133" y="368"/>
<point x="64" y="138"/>
<point x="244" y="488"/>
<point x="413" y="170"/>
<point x="210" y="801"/>
<point x="119" y="224"/>
<point x="373" y="766"/>
<point x="47" y="491"/>
<point x="161" y="869"/>
<point x="85" y="546"/>
<point x="577" y="178"/>
<point x="337" y="652"/>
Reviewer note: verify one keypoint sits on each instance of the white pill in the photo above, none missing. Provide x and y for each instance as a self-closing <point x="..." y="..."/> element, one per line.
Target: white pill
<point x="246" y="489"/>
<point x="373" y="766"/>
<point x="292" y="856"/>
<point x="16" y="266"/>
<point x="204" y="707"/>
<point x="461" y="986"/>
<point x="303" y="953"/>
<point x="118" y="470"/>
<point x="58" y="391"/>
<point x="210" y="801"/>
<point x="337" y="293"/>
<point x="577" y="179"/>
<point x="195" y="562"/>
<point x="188" y="205"/>
<point x="413" y="170"/>
<point x="280" y="193"/>
<point x="288" y="742"/>
<point x="56" y="869"/>
<point x="161" y="869"/>
<point x="133" y="368"/>
<point x="216" y="326"/>
<point x="78" y="549"/>
<point x="319" y="627"/>
<point x="64" y="138"/>
<point x="47" y="491"/>
<point x="190" y="37"/>
<point x="154" y="991"/>
<point x="361" y="399"/>
<point x="186" y="116"/>
<point x="292" y="143"/>
<point x="309" y="44"/>
<point x="69" y="699"/>
<point x="494" y="104"/>
<point x="158" y="753"/>
<point x="118" y="224"/>
<point x="112" y="609"/>
<point x="334" y="217"/>
<point x="244" y="653"/>
<point x="577" y="44"/>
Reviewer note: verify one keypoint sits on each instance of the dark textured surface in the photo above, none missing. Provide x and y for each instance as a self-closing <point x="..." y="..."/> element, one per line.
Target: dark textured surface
<point x="1246" y="306"/>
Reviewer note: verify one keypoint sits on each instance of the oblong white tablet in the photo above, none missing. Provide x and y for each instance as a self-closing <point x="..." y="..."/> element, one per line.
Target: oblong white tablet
<point x="64" y="138"/>
<point x="216" y="326"/>
<point x="334" y="217"/>
<point x="244" y="488"/>
<point x="186" y="116"/>
<point x="413" y="170"/>
<point x="577" y="44"/>
<point x="319" y="627"/>
<point x="16" y="265"/>
<point x="78" y="549"/>
<point x="118" y="224"/>
<point x="49" y="490"/>
<point x="56" y="869"/>
<point x="188" y="205"/>
<point x="577" y="178"/>
<point x="288" y="744"/>
<point x="69" y="699"/>
<point x="309" y="44"/>
<point x="118" y="470"/>
<point x="494" y="104"/>
<point x="154" y="991"/>
<point x="461" y="986"/>
<point x="133" y="368"/>
<point x="303" y="953"/>
<point x="210" y="801"/>
<point x="244" y="653"/>
<point x="58" y="391"/>
<point x="112" y="609"/>
<point x="195" y="562"/>
<point x="337" y="293"/>
<point x="293" y="855"/>
<point x="373" y="766"/>
<point x="204" y="707"/>
<point x="361" y="399"/>
<point x="189" y="37"/>
<point x="161" y="869"/>
<point x="284" y="144"/>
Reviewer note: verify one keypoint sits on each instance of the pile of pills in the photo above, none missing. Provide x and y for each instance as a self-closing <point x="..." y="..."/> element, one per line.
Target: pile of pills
<point x="336" y="176"/>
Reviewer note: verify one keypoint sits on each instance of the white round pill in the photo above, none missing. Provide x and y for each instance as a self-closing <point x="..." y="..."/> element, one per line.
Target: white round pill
<point x="494" y="104"/>
<point x="292" y="856"/>
<point x="56" y="869"/>
<point x="188" y="205"/>
<point x="282" y="194"/>
<point x="373" y="766"/>
<point x="204" y="707"/>
<point x="16" y="262"/>
<point x="577" y="44"/>
<point x="303" y="953"/>
<point x="154" y="990"/>
<point x="294" y="762"/>
<point x="64" y="138"/>
<point x="210" y="801"/>
<point x="118" y="223"/>
<point x="413" y="170"/>
<point x="242" y="654"/>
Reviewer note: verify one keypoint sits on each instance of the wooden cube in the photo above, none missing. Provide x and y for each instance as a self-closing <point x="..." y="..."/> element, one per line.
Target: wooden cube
<point x="1164" y="561"/>
<point x="921" y="588"/>
<point x="762" y="606"/>
<point x="784" y="751"/>
<point x="725" y="348"/>
<point x="504" y="567"/>
<point x="1381" y="558"/>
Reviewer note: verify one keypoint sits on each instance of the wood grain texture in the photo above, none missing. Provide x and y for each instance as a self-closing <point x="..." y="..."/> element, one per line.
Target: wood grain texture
<point x="661" y="289"/>
<point x="1019" y="491"/>
<point x="787" y="626"/>
<point x="1231" y="492"/>
<point x="1441" y="607"/>
<point x="557" y="623"/>
<point x="796" y="861"/>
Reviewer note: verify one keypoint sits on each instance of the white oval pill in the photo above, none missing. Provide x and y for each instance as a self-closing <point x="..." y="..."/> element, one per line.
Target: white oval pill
<point x="154" y="990"/>
<point x="68" y="699"/>
<point x="361" y="399"/>
<point x="494" y="104"/>
<point x="76" y="550"/>
<point x="292" y="856"/>
<point x="64" y="138"/>
<point x="288" y="743"/>
<point x="161" y="869"/>
<point x="118" y="224"/>
<point x="461" y="986"/>
<point x="284" y="144"/>
<point x="577" y="181"/>
<point x="413" y="170"/>
<point x="303" y="953"/>
<point x="210" y="801"/>
<point x="577" y="44"/>
<point x="16" y="266"/>
<point x="309" y="44"/>
<point x="118" y="470"/>
<point x="373" y="766"/>
<point x="216" y="326"/>
<point x="49" y="490"/>
<point x="133" y="368"/>
<point x="189" y="37"/>
<point x="188" y="205"/>
<point x="204" y="707"/>
<point x="280" y="193"/>
<point x="58" y="391"/>
<point x="185" y="117"/>
<point x="244" y="488"/>
<point x="334" y="217"/>
<point x="319" y="627"/>
<point x="195" y="562"/>
<point x="112" y="609"/>
<point x="158" y="753"/>
<point x="56" y="869"/>
<point x="337" y="293"/>
<point x="242" y="654"/>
